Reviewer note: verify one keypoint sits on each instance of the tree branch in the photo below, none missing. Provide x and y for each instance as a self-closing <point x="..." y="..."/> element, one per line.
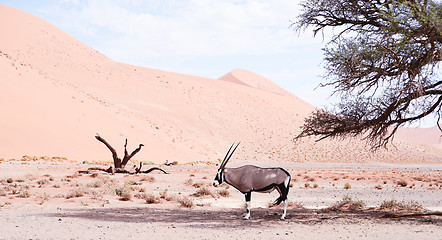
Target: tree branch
<point x="117" y="161"/>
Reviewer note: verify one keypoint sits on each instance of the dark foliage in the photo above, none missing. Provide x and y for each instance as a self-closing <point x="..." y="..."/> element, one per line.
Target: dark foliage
<point x="383" y="63"/>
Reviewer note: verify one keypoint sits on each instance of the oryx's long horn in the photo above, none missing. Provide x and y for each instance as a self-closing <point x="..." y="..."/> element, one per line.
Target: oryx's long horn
<point x="226" y="159"/>
<point x="227" y="154"/>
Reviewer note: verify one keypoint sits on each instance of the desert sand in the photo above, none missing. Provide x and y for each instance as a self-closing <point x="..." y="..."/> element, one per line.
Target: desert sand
<point x="52" y="200"/>
<point x="57" y="93"/>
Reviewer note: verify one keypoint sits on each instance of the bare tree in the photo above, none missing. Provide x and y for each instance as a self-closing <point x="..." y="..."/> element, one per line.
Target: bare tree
<point x="119" y="164"/>
<point x="382" y="61"/>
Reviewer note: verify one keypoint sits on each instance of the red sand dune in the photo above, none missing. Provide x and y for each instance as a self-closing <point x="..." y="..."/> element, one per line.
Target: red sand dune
<point x="57" y="93"/>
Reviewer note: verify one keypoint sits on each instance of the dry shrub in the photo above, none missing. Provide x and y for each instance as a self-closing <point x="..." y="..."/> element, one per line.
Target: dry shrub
<point x="42" y="182"/>
<point x="396" y="205"/>
<point x="347" y="186"/>
<point x="420" y="179"/>
<point x="150" y="198"/>
<point x="223" y="193"/>
<point x="123" y="192"/>
<point x="186" y="202"/>
<point x="96" y="184"/>
<point x="348" y="202"/>
<point x="198" y="184"/>
<point x="402" y="183"/>
<point x="43" y="198"/>
<point x="378" y="187"/>
<point x="188" y="182"/>
<point x="97" y="194"/>
<point x="20" y="180"/>
<point x="310" y="179"/>
<point x="203" y="191"/>
<point x="24" y="194"/>
<point x="77" y="192"/>
<point x="3" y="192"/>
<point x="147" y="179"/>
<point x="126" y="196"/>
<point x="132" y="183"/>
<point x="74" y="175"/>
<point x="167" y="197"/>
<point x="95" y="174"/>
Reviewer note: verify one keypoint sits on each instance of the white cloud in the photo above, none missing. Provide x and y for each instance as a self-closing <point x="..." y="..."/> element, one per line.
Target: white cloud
<point x="195" y="27"/>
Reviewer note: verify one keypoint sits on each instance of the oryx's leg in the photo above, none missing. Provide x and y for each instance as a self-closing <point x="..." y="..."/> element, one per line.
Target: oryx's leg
<point x="248" y="196"/>
<point x="283" y="190"/>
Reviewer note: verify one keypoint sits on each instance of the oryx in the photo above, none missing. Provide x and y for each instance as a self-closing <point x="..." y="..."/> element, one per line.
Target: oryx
<point x="249" y="178"/>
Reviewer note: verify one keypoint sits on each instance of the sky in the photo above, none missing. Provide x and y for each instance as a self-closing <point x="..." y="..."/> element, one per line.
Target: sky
<point x="206" y="38"/>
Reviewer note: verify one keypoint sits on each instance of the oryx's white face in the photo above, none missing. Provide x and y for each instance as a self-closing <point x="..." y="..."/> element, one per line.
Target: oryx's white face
<point x="219" y="178"/>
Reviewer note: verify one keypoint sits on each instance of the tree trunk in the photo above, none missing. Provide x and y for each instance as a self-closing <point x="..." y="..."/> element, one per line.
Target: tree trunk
<point x="118" y="163"/>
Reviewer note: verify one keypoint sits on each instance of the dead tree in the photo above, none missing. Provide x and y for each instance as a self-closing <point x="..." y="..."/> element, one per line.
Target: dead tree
<point x="119" y="164"/>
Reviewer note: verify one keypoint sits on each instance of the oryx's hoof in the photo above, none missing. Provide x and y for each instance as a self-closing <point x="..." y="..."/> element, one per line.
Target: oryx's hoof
<point x="282" y="219"/>
<point x="246" y="217"/>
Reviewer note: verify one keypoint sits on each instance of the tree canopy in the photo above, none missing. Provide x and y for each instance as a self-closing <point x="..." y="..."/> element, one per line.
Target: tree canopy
<point x="382" y="62"/>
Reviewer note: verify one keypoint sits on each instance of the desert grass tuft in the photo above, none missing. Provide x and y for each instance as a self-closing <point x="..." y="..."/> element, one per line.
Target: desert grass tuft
<point x="150" y="198"/>
<point x="223" y="193"/>
<point x="188" y="182"/>
<point x="123" y="192"/>
<point x="76" y="192"/>
<point x="348" y="202"/>
<point x="396" y="205"/>
<point x="24" y="193"/>
<point x="186" y="202"/>
<point x="402" y="183"/>
<point x="148" y="179"/>
<point x="203" y="191"/>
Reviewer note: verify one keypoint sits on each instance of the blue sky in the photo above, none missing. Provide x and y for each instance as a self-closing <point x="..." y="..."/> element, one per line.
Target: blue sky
<point x="206" y="38"/>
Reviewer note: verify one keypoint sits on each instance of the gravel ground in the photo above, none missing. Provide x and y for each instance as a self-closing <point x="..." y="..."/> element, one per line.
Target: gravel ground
<point x="107" y="217"/>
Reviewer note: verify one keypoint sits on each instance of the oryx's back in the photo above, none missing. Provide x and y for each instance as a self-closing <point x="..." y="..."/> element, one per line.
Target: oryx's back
<point x="249" y="177"/>
<point x="261" y="177"/>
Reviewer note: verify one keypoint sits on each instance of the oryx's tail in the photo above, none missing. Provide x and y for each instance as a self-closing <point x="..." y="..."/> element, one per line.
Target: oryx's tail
<point x="279" y="200"/>
<point x="283" y="189"/>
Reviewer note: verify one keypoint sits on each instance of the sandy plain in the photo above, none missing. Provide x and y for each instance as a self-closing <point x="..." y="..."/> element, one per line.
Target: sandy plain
<point x="52" y="200"/>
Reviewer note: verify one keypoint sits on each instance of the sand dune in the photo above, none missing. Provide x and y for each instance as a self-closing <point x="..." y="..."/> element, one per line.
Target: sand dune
<point x="57" y="93"/>
<point x="254" y="80"/>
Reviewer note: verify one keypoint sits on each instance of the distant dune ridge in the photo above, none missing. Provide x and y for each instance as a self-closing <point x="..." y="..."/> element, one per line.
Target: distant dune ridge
<point x="57" y="93"/>
<point x="254" y="80"/>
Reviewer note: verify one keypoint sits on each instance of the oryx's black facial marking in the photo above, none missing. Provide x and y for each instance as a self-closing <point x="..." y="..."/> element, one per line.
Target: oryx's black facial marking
<point x="249" y="178"/>
<point x="219" y="178"/>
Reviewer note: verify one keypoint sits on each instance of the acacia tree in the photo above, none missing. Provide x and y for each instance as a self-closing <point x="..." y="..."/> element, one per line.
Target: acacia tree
<point x="382" y="61"/>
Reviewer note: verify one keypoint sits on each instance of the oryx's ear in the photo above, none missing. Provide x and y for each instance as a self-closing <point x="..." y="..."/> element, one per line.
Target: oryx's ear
<point x="227" y="157"/>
